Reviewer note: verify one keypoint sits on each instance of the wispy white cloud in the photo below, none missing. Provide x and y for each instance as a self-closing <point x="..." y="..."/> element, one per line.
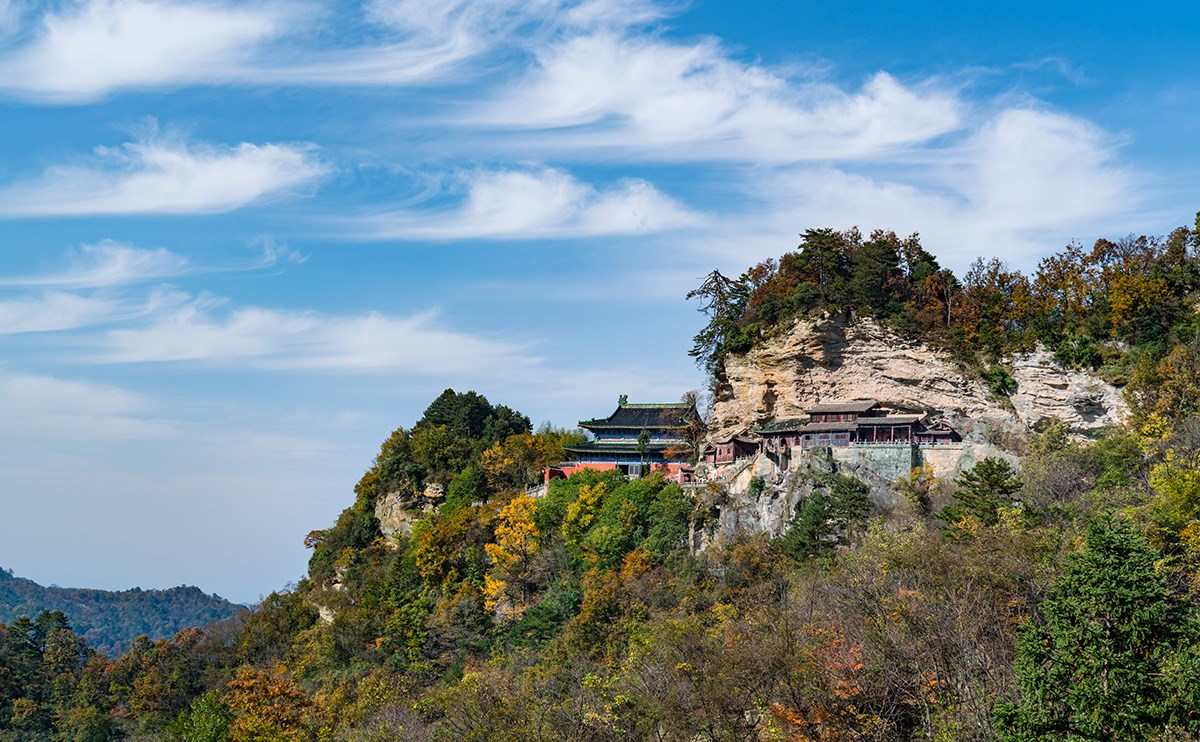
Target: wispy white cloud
<point x="108" y="263"/>
<point x="56" y="311"/>
<point x="39" y="405"/>
<point x="1024" y="182"/>
<point x="1044" y="170"/>
<point x="52" y="311"/>
<point x="10" y="19"/>
<point x="163" y="176"/>
<point x="622" y="94"/>
<point x="536" y="204"/>
<point x="88" y="49"/>
<point x="205" y="332"/>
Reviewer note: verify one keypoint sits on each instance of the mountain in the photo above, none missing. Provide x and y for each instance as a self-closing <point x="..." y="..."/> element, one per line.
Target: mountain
<point x="110" y="621"/>
<point x="1029" y="522"/>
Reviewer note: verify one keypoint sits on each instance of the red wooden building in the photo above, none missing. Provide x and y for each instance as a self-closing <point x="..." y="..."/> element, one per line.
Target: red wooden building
<point x="849" y="423"/>
<point x="727" y="450"/>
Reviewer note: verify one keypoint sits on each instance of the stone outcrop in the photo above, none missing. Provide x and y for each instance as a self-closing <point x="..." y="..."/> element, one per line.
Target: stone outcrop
<point x="398" y="510"/>
<point x="820" y="360"/>
<point x="730" y="507"/>
<point x="1045" y="390"/>
<point x="824" y="359"/>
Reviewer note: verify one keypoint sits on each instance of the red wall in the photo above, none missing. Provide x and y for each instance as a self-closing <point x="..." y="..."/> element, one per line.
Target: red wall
<point x="671" y="471"/>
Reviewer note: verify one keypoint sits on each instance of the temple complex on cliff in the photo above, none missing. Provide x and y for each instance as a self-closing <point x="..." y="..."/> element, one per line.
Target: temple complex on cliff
<point x="636" y="439"/>
<point x="856" y="422"/>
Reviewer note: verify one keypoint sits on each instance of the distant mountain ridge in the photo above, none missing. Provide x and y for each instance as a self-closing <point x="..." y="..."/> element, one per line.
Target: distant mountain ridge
<point x="111" y="620"/>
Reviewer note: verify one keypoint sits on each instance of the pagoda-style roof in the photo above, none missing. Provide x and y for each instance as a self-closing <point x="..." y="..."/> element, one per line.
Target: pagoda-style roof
<point x="620" y="446"/>
<point x="801" y="425"/>
<point x="843" y="407"/>
<point x="664" y="415"/>
<point x="787" y="425"/>
<point x="738" y="438"/>
<point x="891" y="420"/>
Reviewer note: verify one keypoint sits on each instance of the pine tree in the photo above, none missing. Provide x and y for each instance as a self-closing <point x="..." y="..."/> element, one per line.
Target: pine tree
<point x="1103" y="660"/>
<point x="982" y="489"/>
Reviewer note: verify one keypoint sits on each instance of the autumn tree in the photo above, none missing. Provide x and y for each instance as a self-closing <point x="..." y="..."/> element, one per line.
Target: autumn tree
<point x="918" y="487"/>
<point x="514" y="463"/>
<point x="1062" y="291"/>
<point x="266" y="705"/>
<point x="511" y="554"/>
<point x="582" y="512"/>
<point x="1166" y="389"/>
<point x="993" y="308"/>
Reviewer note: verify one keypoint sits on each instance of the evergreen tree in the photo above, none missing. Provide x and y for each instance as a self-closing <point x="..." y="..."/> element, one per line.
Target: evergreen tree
<point x="874" y="277"/>
<point x="724" y="301"/>
<point x="1102" y="660"/>
<point x="982" y="489"/>
<point x="826" y="521"/>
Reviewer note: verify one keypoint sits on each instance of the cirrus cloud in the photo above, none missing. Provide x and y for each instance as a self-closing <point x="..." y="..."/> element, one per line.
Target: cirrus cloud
<point x="108" y="263"/>
<point x="1022" y="182"/>
<point x="536" y="203"/>
<point x="619" y="94"/>
<point x="257" y="337"/>
<point x="154" y="176"/>
<point x="90" y="49"/>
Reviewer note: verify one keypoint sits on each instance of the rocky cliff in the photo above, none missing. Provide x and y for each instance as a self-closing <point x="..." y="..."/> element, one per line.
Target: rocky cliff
<point x="820" y="360"/>
<point x="824" y="360"/>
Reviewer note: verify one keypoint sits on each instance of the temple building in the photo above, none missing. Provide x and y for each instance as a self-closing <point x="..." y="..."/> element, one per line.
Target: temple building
<point x="636" y="439"/>
<point x="721" y="451"/>
<point x="859" y="422"/>
<point x="841" y="424"/>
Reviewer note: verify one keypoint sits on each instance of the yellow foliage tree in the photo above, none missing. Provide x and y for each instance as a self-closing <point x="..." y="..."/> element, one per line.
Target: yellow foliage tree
<point x="918" y="487"/>
<point x="267" y="706"/>
<point x="511" y="554"/>
<point x="582" y="512"/>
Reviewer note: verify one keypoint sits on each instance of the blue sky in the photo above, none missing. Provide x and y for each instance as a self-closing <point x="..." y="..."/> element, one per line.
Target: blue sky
<point x="243" y="241"/>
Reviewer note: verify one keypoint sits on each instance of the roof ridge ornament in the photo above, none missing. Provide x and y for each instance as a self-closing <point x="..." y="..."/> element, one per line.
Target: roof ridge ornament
<point x="622" y="400"/>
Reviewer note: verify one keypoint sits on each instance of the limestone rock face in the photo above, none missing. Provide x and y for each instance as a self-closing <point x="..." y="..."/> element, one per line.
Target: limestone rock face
<point x="396" y="515"/>
<point x="823" y="360"/>
<point x="1045" y="389"/>
<point x="728" y="508"/>
<point x="398" y="510"/>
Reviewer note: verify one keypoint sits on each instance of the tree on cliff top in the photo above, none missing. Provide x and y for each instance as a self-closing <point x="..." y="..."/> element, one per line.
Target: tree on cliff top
<point x="724" y="301"/>
<point x="470" y="415"/>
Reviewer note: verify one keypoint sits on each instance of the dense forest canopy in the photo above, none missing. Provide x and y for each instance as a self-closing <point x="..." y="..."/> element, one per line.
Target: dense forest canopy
<point x="110" y="621"/>
<point x="1052" y="598"/>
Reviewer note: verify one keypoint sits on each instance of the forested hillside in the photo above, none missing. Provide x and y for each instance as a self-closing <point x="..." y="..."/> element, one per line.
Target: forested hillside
<point x="110" y="621"/>
<point x="1054" y="599"/>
